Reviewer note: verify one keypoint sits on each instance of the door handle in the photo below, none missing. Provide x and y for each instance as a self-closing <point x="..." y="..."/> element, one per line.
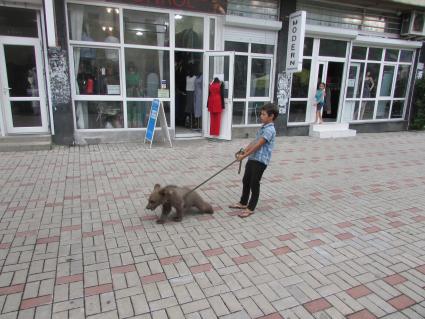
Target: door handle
<point x="5" y="90"/>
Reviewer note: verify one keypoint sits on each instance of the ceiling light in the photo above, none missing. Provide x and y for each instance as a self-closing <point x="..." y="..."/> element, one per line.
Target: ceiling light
<point x="103" y="28"/>
<point x="111" y="28"/>
<point x="178" y="17"/>
<point x="109" y="10"/>
<point x="139" y="33"/>
<point x="117" y="11"/>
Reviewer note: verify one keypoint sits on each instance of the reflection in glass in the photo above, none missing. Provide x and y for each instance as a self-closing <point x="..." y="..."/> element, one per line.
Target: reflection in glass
<point x="97" y="71"/>
<point x="349" y="110"/>
<point x="358" y="53"/>
<point x="391" y="55"/>
<point x="356" y="112"/>
<point x="370" y="80"/>
<point x="397" y="109"/>
<point x="146" y="28"/>
<point x="99" y="114"/>
<point x="236" y="46"/>
<point x="308" y="46"/>
<point x="387" y="80"/>
<point x="402" y="80"/>
<point x="138" y="113"/>
<point x="21" y="70"/>
<point x="375" y="54"/>
<point x="189" y="32"/>
<point x="334" y="48"/>
<point x="254" y="111"/>
<point x="383" y="110"/>
<point x="241" y="69"/>
<point x="260" y="77"/>
<point x="262" y="48"/>
<point x="406" y="56"/>
<point x="355" y="77"/>
<point x="212" y="34"/>
<point x="92" y="23"/>
<point x="297" y="111"/>
<point x="145" y="69"/>
<point x="18" y="22"/>
<point x="300" y="81"/>
<point x="366" y="111"/>
<point x="238" y="117"/>
<point x="418" y="22"/>
<point x="25" y="113"/>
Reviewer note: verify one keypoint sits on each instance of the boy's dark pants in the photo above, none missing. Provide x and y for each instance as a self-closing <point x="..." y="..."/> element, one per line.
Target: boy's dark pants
<point x="251" y="183"/>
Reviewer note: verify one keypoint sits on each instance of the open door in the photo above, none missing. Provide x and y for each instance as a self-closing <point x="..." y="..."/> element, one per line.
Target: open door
<point x="219" y="65"/>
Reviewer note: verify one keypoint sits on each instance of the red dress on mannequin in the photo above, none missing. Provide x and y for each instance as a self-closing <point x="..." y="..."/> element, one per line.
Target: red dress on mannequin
<point x="215" y="106"/>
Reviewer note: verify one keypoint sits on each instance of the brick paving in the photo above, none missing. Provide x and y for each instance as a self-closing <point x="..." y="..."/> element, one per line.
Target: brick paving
<point x="339" y="232"/>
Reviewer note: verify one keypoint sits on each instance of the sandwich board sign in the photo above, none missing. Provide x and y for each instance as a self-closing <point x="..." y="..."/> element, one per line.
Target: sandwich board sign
<point x="157" y="110"/>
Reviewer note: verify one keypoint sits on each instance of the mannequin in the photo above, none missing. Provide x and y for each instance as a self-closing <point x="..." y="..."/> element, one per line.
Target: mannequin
<point x="198" y="98"/>
<point x="215" y="105"/>
<point x="190" y="95"/>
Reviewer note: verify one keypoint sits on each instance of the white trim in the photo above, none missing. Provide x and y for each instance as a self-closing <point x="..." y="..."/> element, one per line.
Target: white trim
<point x="50" y="22"/>
<point x="329" y="32"/>
<point x="260" y="24"/>
<point x="386" y="42"/>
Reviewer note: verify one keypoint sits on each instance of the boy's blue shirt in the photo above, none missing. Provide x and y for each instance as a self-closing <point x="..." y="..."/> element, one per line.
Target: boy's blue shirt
<point x="264" y="154"/>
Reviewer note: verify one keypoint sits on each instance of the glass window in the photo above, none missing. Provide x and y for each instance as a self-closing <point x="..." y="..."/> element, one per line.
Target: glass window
<point x="99" y="114"/>
<point x="189" y="32"/>
<point x="406" y="56"/>
<point x="146" y="28"/>
<point x="260" y="77"/>
<point x="418" y="22"/>
<point x="355" y="78"/>
<point x="375" y="54"/>
<point x="370" y="80"/>
<point x="300" y="81"/>
<point x="332" y="48"/>
<point x="17" y="22"/>
<point x="262" y="48"/>
<point x="402" y="80"/>
<point x="297" y="111"/>
<point x="236" y="46"/>
<point x="92" y="23"/>
<point x="397" y="109"/>
<point x="308" y="46"/>
<point x="359" y="53"/>
<point x="391" y="55"/>
<point x="254" y="111"/>
<point x="241" y="69"/>
<point x="238" y="113"/>
<point x="383" y="110"/>
<point x="212" y="34"/>
<point x="97" y="71"/>
<point x="138" y="113"/>
<point x="366" y="111"/>
<point x="356" y="110"/>
<point x="146" y="72"/>
<point x="348" y="110"/>
<point x="387" y="80"/>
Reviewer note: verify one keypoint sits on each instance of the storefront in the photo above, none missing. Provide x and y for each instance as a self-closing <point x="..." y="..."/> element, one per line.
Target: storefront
<point x="366" y="66"/>
<point x="23" y="98"/>
<point x="122" y="56"/>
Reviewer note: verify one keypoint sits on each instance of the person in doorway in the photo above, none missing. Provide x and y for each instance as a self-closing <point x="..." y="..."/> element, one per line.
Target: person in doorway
<point x="259" y="153"/>
<point x="320" y="102"/>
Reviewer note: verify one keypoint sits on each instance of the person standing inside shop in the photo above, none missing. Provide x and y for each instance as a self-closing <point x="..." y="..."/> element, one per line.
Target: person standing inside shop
<point x="259" y="153"/>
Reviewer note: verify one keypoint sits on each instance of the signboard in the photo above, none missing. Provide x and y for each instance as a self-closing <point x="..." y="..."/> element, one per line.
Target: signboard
<point x="296" y="32"/>
<point x="157" y="110"/>
<point x="207" y="6"/>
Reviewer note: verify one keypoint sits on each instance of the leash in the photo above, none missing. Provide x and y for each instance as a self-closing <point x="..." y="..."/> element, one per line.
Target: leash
<point x="224" y="168"/>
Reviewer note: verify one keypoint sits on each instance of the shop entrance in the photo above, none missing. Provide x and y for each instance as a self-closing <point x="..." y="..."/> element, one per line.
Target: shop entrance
<point x="188" y="93"/>
<point x="22" y="94"/>
<point x="331" y="73"/>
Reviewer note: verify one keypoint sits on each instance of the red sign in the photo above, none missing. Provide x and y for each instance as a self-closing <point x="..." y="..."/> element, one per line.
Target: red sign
<point x="208" y="6"/>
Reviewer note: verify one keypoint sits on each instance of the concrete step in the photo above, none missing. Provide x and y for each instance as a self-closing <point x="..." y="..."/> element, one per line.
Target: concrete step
<point x="333" y="133"/>
<point x="325" y="127"/>
<point x="18" y="143"/>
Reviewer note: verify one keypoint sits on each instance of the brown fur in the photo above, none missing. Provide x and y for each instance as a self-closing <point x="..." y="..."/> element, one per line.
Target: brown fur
<point x="177" y="197"/>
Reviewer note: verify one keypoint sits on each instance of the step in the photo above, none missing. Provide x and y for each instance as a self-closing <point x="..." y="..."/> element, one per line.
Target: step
<point x="333" y="134"/>
<point x="21" y="143"/>
<point x="328" y="127"/>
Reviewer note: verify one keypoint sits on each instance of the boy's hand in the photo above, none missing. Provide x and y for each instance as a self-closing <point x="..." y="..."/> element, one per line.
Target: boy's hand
<point x="240" y="157"/>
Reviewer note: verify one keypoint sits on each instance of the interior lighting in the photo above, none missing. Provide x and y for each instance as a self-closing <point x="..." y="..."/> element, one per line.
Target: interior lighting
<point x="117" y="11"/>
<point x="178" y="17"/>
<point x="103" y="28"/>
<point x="109" y="10"/>
<point x="139" y="33"/>
<point x="111" y="28"/>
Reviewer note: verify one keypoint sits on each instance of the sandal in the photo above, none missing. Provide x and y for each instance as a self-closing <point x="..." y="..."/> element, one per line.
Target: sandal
<point x="238" y="206"/>
<point x="246" y="213"/>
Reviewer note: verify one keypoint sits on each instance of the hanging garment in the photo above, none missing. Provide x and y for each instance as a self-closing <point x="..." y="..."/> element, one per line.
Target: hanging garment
<point x="215" y="107"/>
<point x="198" y="96"/>
<point x="328" y="103"/>
<point x="190" y="91"/>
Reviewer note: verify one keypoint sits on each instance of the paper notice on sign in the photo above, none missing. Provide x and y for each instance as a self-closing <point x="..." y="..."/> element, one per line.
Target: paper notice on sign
<point x="163" y="93"/>
<point x="296" y="32"/>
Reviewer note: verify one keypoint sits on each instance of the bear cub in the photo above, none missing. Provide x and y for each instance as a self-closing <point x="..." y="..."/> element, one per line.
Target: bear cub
<point x="177" y="197"/>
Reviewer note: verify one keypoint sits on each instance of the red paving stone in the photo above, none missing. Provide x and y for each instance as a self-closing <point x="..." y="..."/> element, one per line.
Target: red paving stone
<point x="396" y="224"/>
<point x="275" y="315"/>
<point x="97" y="290"/>
<point x="317" y="230"/>
<point x="317" y="305"/>
<point x="112" y="222"/>
<point x="281" y="250"/>
<point x="93" y="233"/>
<point x="149" y="217"/>
<point x="344" y="224"/>
<point x="372" y="229"/>
<point x="314" y="243"/>
<point x="213" y="252"/>
<point x="5" y="245"/>
<point x="419" y="218"/>
<point x="358" y="291"/>
<point x="401" y="302"/>
<point x="392" y="214"/>
<point x="123" y="269"/>
<point x="134" y="228"/>
<point x="26" y="233"/>
<point x="35" y="302"/>
<point x="370" y="219"/>
<point x="48" y="240"/>
<point x="251" y="244"/>
<point x="153" y="278"/>
<point x="344" y="236"/>
<point x="421" y="269"/>
<point x="286" y="237"/>
<point x="12" y="289"/>
<point x="68" y="279"/>
<point x="394" y="279"/>
<point x="170" y="260"/>
<point x="362" y="314"/>
<point x="201" y="268"/>
<point x="243" y="259"/>
<point x="71" y="228"/>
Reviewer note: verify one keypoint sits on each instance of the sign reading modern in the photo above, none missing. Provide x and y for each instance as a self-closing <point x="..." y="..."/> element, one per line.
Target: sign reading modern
<point x="296" y="32"/>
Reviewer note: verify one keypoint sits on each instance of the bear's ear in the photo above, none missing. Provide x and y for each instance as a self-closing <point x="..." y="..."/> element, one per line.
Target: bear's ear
<point x="165" y="191"/>
<point x="156" y="187"/>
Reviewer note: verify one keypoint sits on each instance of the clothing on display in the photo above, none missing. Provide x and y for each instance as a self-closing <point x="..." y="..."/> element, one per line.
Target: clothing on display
<point x="328" y="103"/>
<point x="215" y="105"/>
<point x="190" y="94"/>
<point x="198" y="96"/>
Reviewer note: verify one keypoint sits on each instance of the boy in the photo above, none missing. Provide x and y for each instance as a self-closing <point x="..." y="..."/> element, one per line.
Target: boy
<point x="259" y="153"/>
